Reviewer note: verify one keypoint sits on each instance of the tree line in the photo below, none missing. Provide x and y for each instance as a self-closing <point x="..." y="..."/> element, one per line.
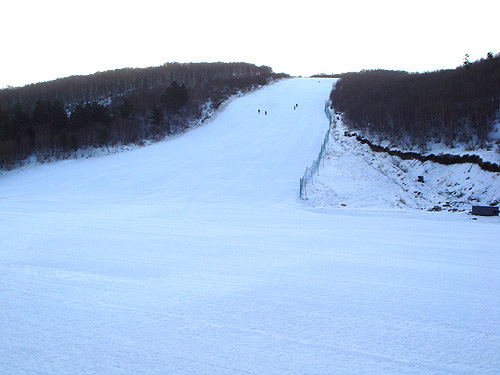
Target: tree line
<point x="450" y="106"/>
<point x="55" y="119"/>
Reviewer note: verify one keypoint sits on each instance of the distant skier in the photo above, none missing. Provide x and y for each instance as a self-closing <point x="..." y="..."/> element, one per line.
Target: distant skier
<point x="258" y="110"/>
<point x="265" y="112"/>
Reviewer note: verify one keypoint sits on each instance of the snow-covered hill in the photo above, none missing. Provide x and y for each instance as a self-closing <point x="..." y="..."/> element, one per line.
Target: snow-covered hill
<point x="195" y="256"/>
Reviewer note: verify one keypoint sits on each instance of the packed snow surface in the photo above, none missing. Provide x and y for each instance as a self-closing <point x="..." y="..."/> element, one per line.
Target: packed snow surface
<point x="195" y="256"/>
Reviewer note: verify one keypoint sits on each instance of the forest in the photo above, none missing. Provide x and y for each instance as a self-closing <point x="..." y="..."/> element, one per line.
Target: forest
<point x="52" y="120"/>
<point x="413" y="109"/>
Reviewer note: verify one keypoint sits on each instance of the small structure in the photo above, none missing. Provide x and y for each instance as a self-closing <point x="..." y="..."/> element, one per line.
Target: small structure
<point x="484" y="211"/>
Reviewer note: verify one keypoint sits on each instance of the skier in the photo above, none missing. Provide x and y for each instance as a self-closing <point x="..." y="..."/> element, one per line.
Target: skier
<point x="258" y="110"/>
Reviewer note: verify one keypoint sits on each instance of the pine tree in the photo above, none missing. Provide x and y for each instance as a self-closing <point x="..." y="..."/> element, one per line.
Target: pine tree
<point x="156" y="118"/>
<point x="175" y="97"/>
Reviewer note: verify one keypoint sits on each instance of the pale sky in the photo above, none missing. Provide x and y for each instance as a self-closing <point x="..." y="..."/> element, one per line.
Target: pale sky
<point x="45" y="40"/>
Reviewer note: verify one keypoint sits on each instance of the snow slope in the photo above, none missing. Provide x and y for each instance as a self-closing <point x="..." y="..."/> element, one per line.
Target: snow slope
<point x="195" y="256"/>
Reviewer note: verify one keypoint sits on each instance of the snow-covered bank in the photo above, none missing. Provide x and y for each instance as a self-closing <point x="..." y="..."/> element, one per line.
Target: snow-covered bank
<point x="195" y="256"/>
<point x="490" y="153"/>
<point x="355" y="176"/>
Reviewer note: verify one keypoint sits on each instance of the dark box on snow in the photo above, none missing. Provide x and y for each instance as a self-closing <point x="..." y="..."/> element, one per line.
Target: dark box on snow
<point x="484" y="211"/>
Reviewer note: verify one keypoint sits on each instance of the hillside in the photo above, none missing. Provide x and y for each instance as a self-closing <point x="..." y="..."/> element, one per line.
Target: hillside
<point x="195" y="255"/>
<point x="418" y="110"/>
<point x="56" y="119"/>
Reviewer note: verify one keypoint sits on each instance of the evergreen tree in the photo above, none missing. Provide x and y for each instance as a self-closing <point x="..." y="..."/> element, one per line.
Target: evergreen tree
<point x="156" y="118"/>
<point x="175" y="97"/>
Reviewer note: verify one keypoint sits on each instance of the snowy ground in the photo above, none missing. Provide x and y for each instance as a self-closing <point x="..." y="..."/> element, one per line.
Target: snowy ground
<point x="195" y="256"/>
<point x="355" y="176"/>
